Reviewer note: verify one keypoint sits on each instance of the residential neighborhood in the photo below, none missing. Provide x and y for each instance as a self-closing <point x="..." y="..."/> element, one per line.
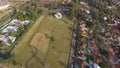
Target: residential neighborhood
<point x="59" y="34"/>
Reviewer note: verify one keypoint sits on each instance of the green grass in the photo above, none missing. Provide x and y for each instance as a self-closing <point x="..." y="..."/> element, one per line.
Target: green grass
<point x="3" y="20"/>
<point x="22" y="51"/>
<point x="57" y="53"/>
<point x="1" y="13"/>
<point x="51" y="53"/>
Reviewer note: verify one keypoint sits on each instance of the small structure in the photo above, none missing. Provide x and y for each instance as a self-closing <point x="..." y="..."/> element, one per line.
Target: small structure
<point x="109" y="7"/>
<point x="87" y="11"/>
<point x="58" y="15"/>
<point x="18" y="22"/>
<point x="2" y="37"/>
<point x="105" y="18"/>
<point x="96" y="65"/>
<point x="82" y="3"/>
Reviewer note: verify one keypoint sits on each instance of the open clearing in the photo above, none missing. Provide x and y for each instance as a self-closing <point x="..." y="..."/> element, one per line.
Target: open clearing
<point x="22" y="51"/>
<point x="37" y="39"/>
<point x="51" y="38"/>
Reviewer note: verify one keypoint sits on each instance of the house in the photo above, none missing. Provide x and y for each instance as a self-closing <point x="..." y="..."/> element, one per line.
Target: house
<point x="58" y="15"/>
<point x="2" y="37"/>
<point x="82" y="3"/>
<point x="26" y="22"/>
<point x="105" y="18"/>
<point x="5" y="39"/>
<point x="14" y="22"/>
<point x="10" y="29"/>
<point x="87" y="11"/>
<point x="4" y="4"/>
<point x="12" y="38"/>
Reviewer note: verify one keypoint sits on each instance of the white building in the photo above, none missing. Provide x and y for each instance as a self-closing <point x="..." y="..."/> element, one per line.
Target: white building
<point x="5" y="39"/>
<point x="25" y="22"/>
<point x="14" y="22"/>
<point x="18" y="22"/>
<point x="10" y="29"/>
<point x="4" y="4"/>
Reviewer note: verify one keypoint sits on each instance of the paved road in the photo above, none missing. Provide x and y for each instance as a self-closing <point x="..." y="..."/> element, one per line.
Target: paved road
<point x="76" y="46"/>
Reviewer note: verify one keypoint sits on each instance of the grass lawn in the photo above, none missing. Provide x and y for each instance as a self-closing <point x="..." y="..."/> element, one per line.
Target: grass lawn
<point x="22" y="51"/>
<point x="50" y="53"/>
<point x="1" y="13"/>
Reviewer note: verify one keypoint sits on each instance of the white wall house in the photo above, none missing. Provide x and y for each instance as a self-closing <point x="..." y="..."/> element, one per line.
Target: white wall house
<point x="5" y="39"/>
<point x="4" y="4"/>
<point x="10" y="29"/>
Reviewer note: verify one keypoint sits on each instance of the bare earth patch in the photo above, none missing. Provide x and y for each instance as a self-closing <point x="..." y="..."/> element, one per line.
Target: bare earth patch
<point x="37" y="39"/>
<point x="41" y="43"/>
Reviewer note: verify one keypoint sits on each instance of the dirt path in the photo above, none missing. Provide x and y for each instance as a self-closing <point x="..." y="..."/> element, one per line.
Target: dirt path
<point x="31" y="31"/>
<point x="33" y="47"/>
<point x="26" y="39"/>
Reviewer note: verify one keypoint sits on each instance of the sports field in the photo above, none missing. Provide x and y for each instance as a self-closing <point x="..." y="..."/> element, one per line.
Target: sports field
<point x="45" y="45"/>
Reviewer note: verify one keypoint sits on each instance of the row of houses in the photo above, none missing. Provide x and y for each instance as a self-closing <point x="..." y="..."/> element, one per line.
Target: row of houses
<point x="11" y="27"/>
<point x="96" y="48"/>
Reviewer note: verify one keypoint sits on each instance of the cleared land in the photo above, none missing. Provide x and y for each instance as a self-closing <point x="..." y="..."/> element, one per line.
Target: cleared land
<point x="51" y="40"/>
<point x="22" y="51"/>
<point x="38" y="39"/>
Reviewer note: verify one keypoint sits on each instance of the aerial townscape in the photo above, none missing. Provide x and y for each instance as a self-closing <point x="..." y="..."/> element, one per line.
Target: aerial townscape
<point x="59" y="33"/>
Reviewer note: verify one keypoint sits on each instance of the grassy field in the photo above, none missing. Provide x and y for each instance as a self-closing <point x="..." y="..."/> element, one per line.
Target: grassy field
<point x="51" y="38"/>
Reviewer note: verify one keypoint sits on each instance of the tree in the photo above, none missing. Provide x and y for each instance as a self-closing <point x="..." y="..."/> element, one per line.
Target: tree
<point x="54" y="5"/>
<point x="74" y="9"/>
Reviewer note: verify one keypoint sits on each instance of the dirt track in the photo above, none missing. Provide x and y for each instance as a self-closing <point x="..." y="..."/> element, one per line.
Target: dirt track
<point x="31" y="31"/>
<point x="27" y="38"/>
<point x="34" y="29"/>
